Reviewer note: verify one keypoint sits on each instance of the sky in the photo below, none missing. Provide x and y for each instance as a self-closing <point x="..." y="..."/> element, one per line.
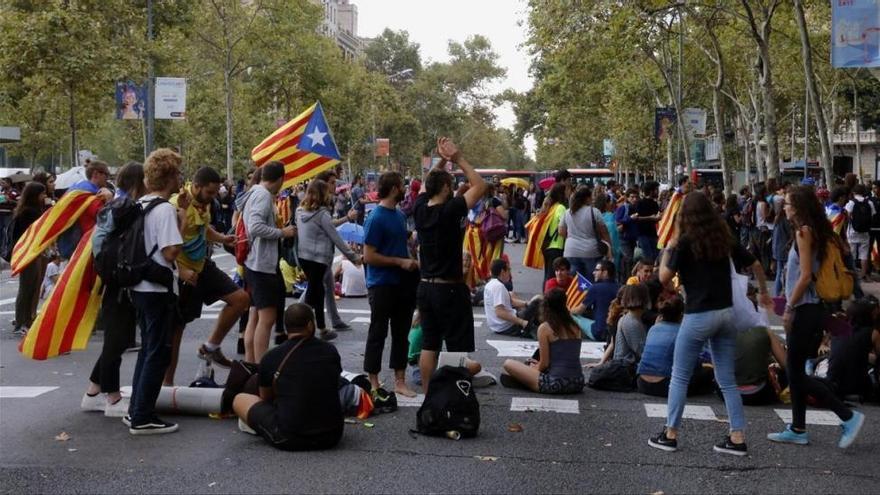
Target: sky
<point x="432" y="25"/>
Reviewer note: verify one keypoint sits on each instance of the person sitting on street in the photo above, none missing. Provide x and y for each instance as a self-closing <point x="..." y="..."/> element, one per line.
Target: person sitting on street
<point x="298" y="404"/>
<point x="500" y="304"/>
<point x="563" y="278"/>
<point x="642" y="272"/>
<point x="597" y="302"/>
<point x="558" y="368"/>
<point x="628" y="340"/>
<point x="756" y="348"/>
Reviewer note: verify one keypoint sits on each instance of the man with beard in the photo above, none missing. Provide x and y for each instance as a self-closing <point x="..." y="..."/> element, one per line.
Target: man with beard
<point x="201" y="282"/>
<point x="391" y="281"/>
<point x="443" y="298"/>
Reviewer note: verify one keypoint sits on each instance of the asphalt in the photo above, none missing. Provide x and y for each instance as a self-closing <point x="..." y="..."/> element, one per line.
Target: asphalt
<point x="602" y="449"/>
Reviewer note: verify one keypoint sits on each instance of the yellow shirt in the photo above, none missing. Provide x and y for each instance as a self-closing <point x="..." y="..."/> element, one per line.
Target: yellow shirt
<point x="195" y="240"/>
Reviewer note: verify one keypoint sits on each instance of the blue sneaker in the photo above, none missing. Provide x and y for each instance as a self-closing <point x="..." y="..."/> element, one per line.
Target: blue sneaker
<point x="789" y="436"/>
<point x="851" y="429"/>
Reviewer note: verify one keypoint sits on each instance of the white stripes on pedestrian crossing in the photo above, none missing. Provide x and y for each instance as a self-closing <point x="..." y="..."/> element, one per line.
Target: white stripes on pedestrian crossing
<point x="537" y="404"/>
<point x="404" y="401"/>
<point x="704" y="413"/>
<point x="527" y="348"/>
<point x="8" y="392"/>
<point x="825" y="418"/>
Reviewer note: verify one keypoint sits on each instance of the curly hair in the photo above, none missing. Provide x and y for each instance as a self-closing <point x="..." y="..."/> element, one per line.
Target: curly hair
<point x="808" y="212"/>
<point x="161" y="167"/>
<point x="703" y="228"/>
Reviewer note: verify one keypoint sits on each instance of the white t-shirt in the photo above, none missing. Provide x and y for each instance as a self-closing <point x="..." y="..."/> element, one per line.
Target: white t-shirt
<point x="496" y="294"/>
<point x="851" y="234"/>
<point x="354" y="280"/>
<point x="161" y="231"/>
<point x="52" y="270"/>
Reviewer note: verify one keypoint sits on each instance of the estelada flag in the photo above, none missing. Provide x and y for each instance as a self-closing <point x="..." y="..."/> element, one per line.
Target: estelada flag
<point x="537" y="232"/>
<point x="68" y="317"/>
<point x="54" y="221"/>
<point x="577" y="291"/>
<point x="837" y="218"/>
<point x="304" y="145"/>
<point x="666" y="227"/>
<point x="482" y="252"/>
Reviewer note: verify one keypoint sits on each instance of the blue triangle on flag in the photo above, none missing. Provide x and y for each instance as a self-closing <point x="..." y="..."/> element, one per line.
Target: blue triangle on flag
<point x="317" y="137"/>
<point x="583" y="282"/>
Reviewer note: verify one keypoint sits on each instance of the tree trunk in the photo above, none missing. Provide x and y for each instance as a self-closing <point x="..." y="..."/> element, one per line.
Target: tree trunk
<point x="670" y="166"/>
<point x="770" y="134"/>
<point x="810" y="77"/>
<point x="73" y="144"/>
<point x="227" y="86"/>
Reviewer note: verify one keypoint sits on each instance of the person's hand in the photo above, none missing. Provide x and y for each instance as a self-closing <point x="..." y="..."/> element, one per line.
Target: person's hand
<point x="288" y="232"/>
<point x="189" y="276"/>
<point x="183" y="198"/>
<point x="765" y="300"/>
<point x="358" y="261"/>
<point x="534" y="364"/>
<point x="105" y="194"/>
<point x="228" y="240"/>
<point x="409" y="264"/>
<point x="787" y="318"/>
<point x="352" y="215"/>
<point x="447" y="149"/>
<point x="634" y="215"/>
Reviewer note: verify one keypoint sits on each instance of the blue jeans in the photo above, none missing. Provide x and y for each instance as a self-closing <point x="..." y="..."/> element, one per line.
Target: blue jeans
<point x="696" y="328"/>
<point x="519" y="229"/>
<point x="648" y="245"/>
<point x="584" y="266"/>
<point x="779" y="284"/>
<point x="157" y="314"/>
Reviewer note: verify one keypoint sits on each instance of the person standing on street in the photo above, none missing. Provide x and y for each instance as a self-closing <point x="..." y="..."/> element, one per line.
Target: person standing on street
<point x="647" y="215"/>
<point x="803" y="318"/>
<point x="27" y="211"/>
<point x="359" y="198"/>
<point x="443" y="298"/>
<point x="261" y="272"/>
<point x="391" y="281"/>
<point x="156" y="304"/>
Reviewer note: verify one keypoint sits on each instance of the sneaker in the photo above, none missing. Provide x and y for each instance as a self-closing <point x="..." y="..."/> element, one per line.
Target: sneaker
<point x="239" y="348"/>
<point x="126" y="420"/>
<point x="343" y="327"/>
<point x="383" y="401"/>
<point x="789" y="436"/>
<point x="483" y="379"/>
<point x="20" y="331"/>
<point x="508" y="381"/>
<point x="95" y="402"/>
<point x="851" y="429"/>
<point x="727" y="446"/>
<point x="118" y="410"/>
<point x="327" y="334"/>
<point x="244" y="428"/>
<point x="154" y="426"/>
<point x="662" y="442"/>
<point x="216" y="356"/>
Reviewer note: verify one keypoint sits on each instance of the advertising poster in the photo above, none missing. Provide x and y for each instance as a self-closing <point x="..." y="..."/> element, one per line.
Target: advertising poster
<point x="131" y="101"/>
<point x="170" y="98"/>
<point x="664" y="120"/>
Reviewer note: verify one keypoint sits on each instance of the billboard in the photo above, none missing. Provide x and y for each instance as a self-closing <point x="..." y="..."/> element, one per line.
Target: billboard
<point x="694" y="121"/>
<point x="383" y="146"/>
<point x="855" y="33"/>
<point x="664" y="119"/>
<point x="170" y="98"/>
<point x="607" y="147"/>
<point x="131" y="100"/>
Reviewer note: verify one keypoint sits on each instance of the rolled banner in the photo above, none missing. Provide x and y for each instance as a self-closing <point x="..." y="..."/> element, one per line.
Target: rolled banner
<point x="196" y="401"/>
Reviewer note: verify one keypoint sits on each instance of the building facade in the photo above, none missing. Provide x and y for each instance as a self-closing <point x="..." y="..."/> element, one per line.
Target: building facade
<point x="340" y="24"/>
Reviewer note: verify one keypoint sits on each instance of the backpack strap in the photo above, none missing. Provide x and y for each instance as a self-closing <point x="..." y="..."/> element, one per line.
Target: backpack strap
<point x="277" y="373"/>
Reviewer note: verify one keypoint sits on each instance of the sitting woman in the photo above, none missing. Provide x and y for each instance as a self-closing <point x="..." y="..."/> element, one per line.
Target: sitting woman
<point x="642" y="272"/>
<point x="655" y="368"/>
<point x="558" y="369"/>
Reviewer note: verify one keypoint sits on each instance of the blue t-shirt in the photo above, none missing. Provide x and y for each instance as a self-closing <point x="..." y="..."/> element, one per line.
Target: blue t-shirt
<point x="659" y="350"/>
<point x="385" y="230"/>
<point x="599" y="297"/>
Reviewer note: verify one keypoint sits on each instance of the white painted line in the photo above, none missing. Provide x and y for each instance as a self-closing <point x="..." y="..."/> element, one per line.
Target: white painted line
<point x="220" y="255"/>
<point x="704" y="413"/>
<point x="824" y="418"/>
<point x="527" y="348"/>
<point x="404" y="401"/>
<point x="217" y="305"/>
<point x="534" y="404"/>
<point x="7" y="392"/>
<point x="360" y="319"/>
<point x="7" y="312"/>
<point x="4" y="302"/>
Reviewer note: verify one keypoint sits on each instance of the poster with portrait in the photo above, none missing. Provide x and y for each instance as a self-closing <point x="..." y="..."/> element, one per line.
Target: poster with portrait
<point x="664" y="119"/>
<point x="131" y="101"/>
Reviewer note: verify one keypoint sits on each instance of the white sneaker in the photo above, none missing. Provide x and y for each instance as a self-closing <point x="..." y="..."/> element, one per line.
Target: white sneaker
<point x="93" y="403"/>
<point x="118" y="410"/>
<point x="243" y="427"/>
<point x="484" y="379"/>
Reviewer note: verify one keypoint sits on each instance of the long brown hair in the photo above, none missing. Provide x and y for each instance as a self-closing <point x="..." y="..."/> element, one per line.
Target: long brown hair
<point x="317" y="195"/>
<point x="554" y="312"/>
<point x="30" y="198"/>
<point x="809" y="213"/>
<point x="706" y="232"/>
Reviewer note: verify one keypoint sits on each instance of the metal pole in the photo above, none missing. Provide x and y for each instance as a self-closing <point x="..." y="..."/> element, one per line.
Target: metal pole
<point x="148" y="117"/>
<point x="858" y="129"/>
<point x="807" y="132"/>
<point x="678" y="95"/>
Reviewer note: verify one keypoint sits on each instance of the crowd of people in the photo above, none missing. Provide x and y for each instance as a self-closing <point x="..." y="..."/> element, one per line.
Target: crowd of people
<point x="431" y="249"/>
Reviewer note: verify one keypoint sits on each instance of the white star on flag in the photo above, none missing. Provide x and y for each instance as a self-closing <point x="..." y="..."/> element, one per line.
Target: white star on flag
<point x="317" y="137"/>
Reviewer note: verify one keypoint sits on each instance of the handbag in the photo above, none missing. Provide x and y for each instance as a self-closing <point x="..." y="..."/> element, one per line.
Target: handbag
<point x="746" y="315"/>
<point x="601" y="245"/>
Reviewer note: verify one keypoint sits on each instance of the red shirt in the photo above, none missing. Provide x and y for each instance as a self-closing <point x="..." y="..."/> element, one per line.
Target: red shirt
<point x="554" y="284"/>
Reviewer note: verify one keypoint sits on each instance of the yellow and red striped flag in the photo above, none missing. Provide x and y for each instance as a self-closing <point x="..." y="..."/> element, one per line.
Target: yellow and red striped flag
<point x="68" y="316"/>
<point x="577" y="291"/>
<point x="283" y="207"/>
<point x="537" y="232"/>
<point x="482" y="252"/>
<point x="666" y="227"/>
<point x="304" y="145"/>
<point x="837" y="218"/>
<point x="54" y="221"/>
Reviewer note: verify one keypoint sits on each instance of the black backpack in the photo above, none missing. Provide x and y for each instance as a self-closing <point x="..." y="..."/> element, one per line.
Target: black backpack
<point x="861" y="216"/>
<point x="450" y="405"/>
<point x="617" y="375"/>
<point x="121" y="258"/>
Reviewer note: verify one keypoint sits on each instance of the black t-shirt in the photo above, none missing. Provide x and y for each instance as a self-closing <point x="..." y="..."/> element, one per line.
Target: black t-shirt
<point x="647" y="207"/>
<point x="306" y="398"/>
<point x="441" y="236"/>
<point x="25" y="218"/>
<point x="706" y="283"/>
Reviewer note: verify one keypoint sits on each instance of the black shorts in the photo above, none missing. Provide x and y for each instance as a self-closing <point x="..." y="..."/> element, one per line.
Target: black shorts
<point x="447" y="316"/>
<point x="265" y="289"/>
<point x="263" y="418"/>
<point x="212" y="286"/>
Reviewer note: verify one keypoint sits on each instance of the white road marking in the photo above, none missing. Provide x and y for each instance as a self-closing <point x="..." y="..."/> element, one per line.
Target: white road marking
<point x="7" y="392"/>
<point x="4" y="302"/>
<point x="360" y="319"/>
<point x="220" y="255"/>
<point x="824" y="418"/>
<point x="535" y="404"/>
<point x="704" y="413"/>
<point x="527" y="348"/>
<point x="404" y="401"/>
<point x="7" y="312"/>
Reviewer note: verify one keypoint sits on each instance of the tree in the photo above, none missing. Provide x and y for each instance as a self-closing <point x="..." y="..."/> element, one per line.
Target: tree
<point x="392" y="53"/>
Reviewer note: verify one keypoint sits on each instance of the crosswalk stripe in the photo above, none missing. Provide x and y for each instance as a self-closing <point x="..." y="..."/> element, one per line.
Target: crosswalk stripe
<point x="536" y="404"/>
<point x="823" y="418"/>
<point x="10" y="392"/>
<point x="704" y="413"/>
<point x="4" y="302"/>
<point x="527" y="348"/>
<point x="404" y="401"/>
